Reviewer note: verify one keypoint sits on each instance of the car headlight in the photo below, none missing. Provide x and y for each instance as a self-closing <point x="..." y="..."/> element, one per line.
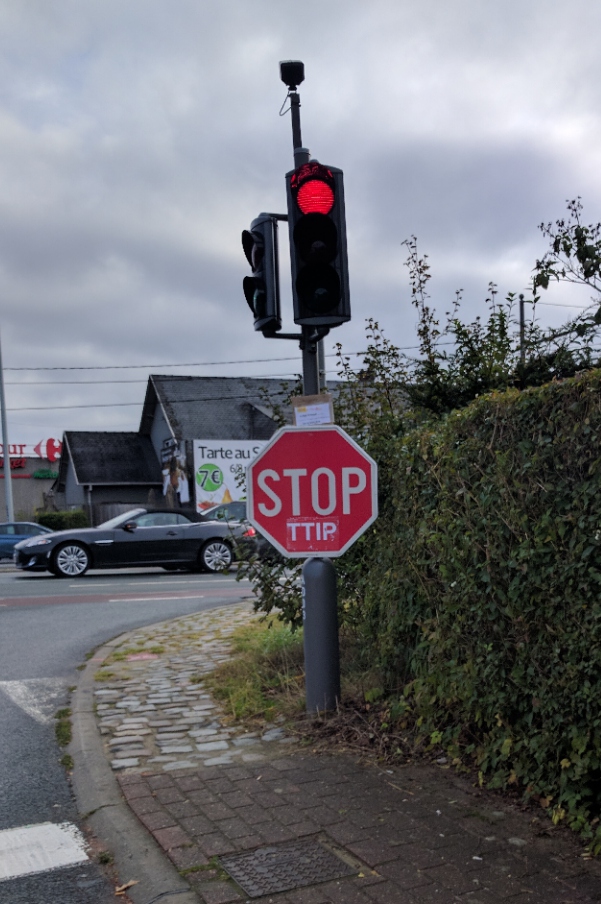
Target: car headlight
<point x="35" y="542"/>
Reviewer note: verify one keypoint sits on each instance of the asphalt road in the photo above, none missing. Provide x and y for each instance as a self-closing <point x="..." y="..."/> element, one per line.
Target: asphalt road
<point x="47" y="629"/>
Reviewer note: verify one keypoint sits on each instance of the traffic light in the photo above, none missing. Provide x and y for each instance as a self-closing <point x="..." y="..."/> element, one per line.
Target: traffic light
<point x="316" y="221"/>
<point x="262" y="289"/>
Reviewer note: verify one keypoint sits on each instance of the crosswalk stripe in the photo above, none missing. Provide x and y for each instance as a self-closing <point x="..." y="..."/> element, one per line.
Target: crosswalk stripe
<point x="36" y="849"/>
<point x="36" y="696"/>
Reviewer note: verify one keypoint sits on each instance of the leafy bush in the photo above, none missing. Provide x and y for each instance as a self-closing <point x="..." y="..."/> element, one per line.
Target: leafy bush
<point x="482" y="606"/>
<point x="63" y="520"/>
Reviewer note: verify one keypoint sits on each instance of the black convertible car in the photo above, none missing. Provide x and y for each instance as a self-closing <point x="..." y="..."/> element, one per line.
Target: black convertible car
<point x="137" y="538"/>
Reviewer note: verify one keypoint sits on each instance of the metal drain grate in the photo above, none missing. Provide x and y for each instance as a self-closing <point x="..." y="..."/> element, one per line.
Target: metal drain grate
<point x="270" y="870"/>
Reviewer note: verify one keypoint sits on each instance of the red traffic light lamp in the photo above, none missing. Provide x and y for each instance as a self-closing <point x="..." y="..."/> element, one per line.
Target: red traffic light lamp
<point x="316" y="221"/>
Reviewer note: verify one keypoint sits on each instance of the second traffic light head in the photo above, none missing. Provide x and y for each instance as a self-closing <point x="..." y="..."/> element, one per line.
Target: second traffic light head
<point x="262" y="290"/>
<point x="317" y="225"/>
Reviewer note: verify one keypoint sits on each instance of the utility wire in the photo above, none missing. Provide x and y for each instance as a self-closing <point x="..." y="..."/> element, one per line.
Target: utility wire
<point x="201" y="363"/>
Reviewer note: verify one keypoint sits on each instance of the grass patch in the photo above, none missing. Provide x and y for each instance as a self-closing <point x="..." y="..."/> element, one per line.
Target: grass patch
<point x="212" y="870"/>
<point x="62" y="728"/>
<point x="103" y="675"/>
<point x="264" y="682"/>
<point x="265" y="677"/>
<point x="66" y="762"/>
<point x="121" y="655"/>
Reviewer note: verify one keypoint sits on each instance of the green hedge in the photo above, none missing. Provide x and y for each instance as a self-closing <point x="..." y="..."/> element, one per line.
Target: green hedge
<point x="63" y="520"/>
<point x="483" y="598"/>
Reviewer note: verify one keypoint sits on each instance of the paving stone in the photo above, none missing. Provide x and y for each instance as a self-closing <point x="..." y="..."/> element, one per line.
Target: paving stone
<point x="181" y="748"/>
<point x="187" y="857"/>
<point x="198" y="825"/>
<point x="245" y="742"/>
<point x="171" y="837"/>
<point x="141" y="805"/>
<point x="215" y="844"/>
<point x="180" y="764"/>
<point x="127" y="763"/>
<point x="212" y="745"/>
<point x="273" y="735"/>
<point x="122" y="740"/>
<point x="158" y="819"/>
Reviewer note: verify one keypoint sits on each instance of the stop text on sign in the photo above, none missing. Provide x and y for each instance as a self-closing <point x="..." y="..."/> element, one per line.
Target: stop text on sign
<point x="323" y="482"/>
<point x="312" y="491"/>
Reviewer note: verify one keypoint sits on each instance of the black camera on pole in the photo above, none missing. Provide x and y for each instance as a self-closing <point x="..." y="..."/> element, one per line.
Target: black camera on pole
<point x="262" y="289"/>
<point x="316" y="220"/>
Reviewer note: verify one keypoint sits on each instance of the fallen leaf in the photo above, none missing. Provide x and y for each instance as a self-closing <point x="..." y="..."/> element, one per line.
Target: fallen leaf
<point x="120" y="890"/>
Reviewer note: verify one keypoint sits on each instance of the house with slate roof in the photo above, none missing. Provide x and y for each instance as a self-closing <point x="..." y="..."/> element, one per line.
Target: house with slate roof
<point x="108" y="472"/>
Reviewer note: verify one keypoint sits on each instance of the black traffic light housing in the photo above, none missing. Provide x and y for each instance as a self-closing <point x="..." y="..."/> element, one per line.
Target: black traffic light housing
<point x="317" y="225"/>
<point x="262" y="289"/>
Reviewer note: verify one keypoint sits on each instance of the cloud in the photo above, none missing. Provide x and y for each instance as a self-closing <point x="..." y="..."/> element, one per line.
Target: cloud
<point x="137" y="140"/>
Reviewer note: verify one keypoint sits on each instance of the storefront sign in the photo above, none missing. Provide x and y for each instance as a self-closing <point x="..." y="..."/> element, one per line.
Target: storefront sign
<point x="219" y="469"/>
<point x="14" y="462"/>
<point x="49" y="449"/>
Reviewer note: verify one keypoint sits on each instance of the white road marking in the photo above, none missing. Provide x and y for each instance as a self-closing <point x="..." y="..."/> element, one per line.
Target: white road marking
<point x="174" y="583"/>
<point x="36" y="696"/>
<point x="36" y="849"/>
<point x="199" y="583"/>
<point x="155" y="599"/>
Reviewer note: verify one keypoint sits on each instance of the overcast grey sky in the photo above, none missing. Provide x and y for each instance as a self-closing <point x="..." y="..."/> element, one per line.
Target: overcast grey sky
<point x="139" y="137"/>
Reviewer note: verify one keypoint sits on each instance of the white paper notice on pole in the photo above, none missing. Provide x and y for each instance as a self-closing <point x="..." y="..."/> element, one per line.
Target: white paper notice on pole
<point x="218" y="465"/>
<point x="313" y="410"/>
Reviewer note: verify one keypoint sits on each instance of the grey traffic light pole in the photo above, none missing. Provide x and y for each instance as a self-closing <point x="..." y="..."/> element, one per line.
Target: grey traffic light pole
<point x="320" y="601"/>
<point x="309" y="345"/>
<point x="8" y="484"/>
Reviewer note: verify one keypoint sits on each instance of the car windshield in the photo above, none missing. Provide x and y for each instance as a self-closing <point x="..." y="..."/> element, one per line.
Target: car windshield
<point x="120" y="519"/>
<point x="230" y="511"/>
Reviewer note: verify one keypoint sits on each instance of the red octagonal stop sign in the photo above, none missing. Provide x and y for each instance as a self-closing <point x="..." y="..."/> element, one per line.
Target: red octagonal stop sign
<point x="312" y="491"/>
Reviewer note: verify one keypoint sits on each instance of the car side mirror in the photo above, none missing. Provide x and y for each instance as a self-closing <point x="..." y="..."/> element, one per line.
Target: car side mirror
<point x="130" y="526"/>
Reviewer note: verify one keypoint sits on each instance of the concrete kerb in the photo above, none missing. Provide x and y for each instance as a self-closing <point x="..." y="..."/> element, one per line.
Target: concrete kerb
<point x="136" y="855"/>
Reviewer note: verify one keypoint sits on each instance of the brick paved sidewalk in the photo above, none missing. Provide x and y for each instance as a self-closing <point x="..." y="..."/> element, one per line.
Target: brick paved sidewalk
<point x="271" y="823"/>
<point x="411" y="835"/>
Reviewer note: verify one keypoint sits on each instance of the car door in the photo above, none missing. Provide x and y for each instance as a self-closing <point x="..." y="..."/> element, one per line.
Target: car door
<point x="155" y="539"/>
<point x="8" y="539"/>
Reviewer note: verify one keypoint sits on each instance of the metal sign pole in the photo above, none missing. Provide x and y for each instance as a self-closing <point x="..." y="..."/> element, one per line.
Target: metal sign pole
<point x="8" y="484"/>
<point x="320" y="635"/>
<point x="320" y="601"/>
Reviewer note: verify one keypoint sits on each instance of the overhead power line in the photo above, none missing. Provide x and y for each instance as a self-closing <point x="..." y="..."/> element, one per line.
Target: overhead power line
<point x="199" y="363"/>
<point x="139" y="403"/>
<point x="161" y="366"/>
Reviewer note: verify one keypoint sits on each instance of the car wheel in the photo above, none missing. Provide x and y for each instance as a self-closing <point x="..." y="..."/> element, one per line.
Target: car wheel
<point x="71" y="560"/>
<point x="216" y="555"/>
